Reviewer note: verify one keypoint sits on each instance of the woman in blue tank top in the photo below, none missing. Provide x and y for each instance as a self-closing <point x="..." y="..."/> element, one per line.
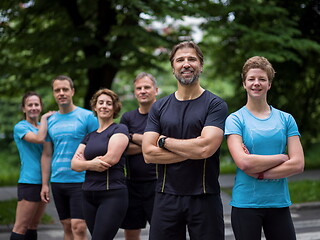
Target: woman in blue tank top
<point x="265" y="144"/>
<point x="29" y="135"/>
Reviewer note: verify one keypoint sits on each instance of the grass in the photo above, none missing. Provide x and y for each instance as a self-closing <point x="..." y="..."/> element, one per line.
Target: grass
<point x="8" y="212"/>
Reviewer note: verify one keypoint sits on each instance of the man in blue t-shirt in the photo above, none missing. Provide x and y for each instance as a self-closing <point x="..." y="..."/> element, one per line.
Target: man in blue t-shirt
<point x="183" y="136"/>
<point x="141" y="177"/>
<point x="66" y="129"/>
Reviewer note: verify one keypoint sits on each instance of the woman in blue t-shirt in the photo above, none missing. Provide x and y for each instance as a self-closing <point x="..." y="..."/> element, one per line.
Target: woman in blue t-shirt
<point x="29" y="135"/>
<point x="257" y="137"/>
<point x="101" y="154"/>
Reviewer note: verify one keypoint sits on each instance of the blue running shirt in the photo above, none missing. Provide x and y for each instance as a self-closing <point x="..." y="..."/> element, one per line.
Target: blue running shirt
<point x="30" y="154"/>
<point x="66" y="131"/>
<point x="263" y="137"/>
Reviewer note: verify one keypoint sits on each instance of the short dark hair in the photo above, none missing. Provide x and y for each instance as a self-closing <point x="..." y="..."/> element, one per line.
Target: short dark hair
<point x="29" y="94"/>
<point x="186" y="44"/>
<point x="61" y="78"/>
<point x="115" y="101"/>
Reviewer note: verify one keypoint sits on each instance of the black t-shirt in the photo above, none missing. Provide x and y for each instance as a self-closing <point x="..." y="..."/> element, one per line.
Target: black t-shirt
<point x="185" y="120"/>
<point x="97" y="145"/>
<point x="137" y="169"/>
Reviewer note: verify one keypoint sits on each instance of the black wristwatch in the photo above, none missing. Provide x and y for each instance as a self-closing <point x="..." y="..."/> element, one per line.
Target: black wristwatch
<point x="161" y="142"/>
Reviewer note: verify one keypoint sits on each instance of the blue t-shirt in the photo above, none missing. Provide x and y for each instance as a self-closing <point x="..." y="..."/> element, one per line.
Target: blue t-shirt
<point x="263" y="137"/>
<point x="185" y="120"/>
<point x="30" y="153"/>
<point x="137" y="169"/>
<point x="66" y="131"/>
<point x="97" y="145"/>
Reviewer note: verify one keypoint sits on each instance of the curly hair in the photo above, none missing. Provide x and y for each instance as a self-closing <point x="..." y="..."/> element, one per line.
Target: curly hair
<point x="115" y="101"/>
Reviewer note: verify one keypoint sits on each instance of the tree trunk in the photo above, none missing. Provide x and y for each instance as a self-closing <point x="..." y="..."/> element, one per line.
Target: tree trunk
<point x="101" y="77"/>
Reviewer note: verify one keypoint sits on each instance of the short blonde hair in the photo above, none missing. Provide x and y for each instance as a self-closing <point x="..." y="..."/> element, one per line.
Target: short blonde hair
<point x="115" y="101"/>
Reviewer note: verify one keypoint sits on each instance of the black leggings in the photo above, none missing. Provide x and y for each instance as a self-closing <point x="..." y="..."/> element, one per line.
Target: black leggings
<point x="277" y="224"/>
<point x="104" y="212"/>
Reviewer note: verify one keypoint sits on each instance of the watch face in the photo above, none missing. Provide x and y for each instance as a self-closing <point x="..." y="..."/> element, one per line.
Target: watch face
<point x="161" y="142"/>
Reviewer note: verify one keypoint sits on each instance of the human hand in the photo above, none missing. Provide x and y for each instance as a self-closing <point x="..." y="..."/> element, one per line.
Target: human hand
<point x="45" y="194"/>
<point x="98" y="165"/>
<point x="48" y="114"/>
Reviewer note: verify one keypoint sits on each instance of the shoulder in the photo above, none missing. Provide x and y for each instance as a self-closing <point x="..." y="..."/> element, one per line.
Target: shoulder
<point x="281" y="114"/>
<point x="83" y="111"/>
<point x="163" y="101"/>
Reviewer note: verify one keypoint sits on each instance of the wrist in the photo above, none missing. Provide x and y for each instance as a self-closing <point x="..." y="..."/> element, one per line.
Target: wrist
<point x="161" y="142"/>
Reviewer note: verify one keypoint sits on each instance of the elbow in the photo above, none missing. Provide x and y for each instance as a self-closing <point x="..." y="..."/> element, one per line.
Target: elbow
<point x="74" y="167"/>
<point x="146" y="158"/>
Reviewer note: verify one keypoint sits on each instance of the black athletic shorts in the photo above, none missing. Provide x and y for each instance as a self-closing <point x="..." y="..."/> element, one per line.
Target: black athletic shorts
<point x="29" y="192"/>
<point x="68" y="199"/>
<point x="202" y="215"/>
<point x="141" y="198"/>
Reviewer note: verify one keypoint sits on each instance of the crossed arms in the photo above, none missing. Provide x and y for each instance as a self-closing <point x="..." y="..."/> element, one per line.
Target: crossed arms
<point x="178" y="150"/>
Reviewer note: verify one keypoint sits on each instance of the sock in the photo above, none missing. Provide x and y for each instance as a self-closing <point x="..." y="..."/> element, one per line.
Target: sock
<point x="31" y="234"/>
<point x="16" y="236"/>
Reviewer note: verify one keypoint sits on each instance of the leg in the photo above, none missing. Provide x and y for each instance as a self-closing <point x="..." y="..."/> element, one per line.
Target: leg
<point x="247" y="223"/>
<point x="79" y="229"/>
<point x="278" y="224"/>
<point x="132" y="234"/>
<point x="168" y="221"/>
<point x="32" y="233"/>
<point x="111" y="211"/>
<point x="136" y="216"/>
<point x="24" y="215"/>
<point x="205" y="217"/>
<point x="66" y="224"/>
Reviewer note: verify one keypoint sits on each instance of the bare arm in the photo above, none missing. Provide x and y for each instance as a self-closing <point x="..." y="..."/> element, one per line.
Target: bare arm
<point x="295" y="164"/>
<point x="79" y="163"/>
<point x="252" y="163"/>
<point x="46" y="159"/>
<point x="117" y="145"/>
<point x="153" y="154"/>
<point x="42" y="131"/>
<point x="201" y="147"/>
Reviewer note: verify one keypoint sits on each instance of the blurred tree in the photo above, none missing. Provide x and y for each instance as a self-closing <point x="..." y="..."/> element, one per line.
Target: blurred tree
<point x="288" y="34"/>
<point x="88" y="40"/>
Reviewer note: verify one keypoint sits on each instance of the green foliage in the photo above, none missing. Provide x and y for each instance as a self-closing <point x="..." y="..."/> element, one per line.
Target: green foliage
<point x="10" y="165"/>
<point x="8" y="213"/>
<point x="288" y="35"/>
<point x="304" y="191"/>
<point x="106" y="43"/>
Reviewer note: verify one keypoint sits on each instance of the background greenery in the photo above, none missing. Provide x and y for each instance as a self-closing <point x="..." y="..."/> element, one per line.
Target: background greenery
<point x="105" y="43"/>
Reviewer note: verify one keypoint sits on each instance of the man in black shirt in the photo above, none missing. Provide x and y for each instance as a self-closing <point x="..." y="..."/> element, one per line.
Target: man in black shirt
<point x="141" y="177"/>
<point x="183" y="136"/>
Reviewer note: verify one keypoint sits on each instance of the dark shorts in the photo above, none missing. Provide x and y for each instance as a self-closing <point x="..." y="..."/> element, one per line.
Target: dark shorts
<point x="68" y="200"/>
<point x="29" y="192"/>
<point x="202" y="215"/>
<point x="141" y="199"/>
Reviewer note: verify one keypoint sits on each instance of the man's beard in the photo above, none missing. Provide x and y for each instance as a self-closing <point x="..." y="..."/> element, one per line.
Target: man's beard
<point x="187" y="81"/>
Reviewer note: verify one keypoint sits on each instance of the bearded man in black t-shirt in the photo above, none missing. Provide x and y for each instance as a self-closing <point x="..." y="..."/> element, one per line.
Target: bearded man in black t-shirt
<point x="183" y="136"/>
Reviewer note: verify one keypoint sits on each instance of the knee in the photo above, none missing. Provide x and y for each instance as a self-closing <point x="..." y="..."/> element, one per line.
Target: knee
<point x="66" y="226"/>
<point x="79" y="227"/>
